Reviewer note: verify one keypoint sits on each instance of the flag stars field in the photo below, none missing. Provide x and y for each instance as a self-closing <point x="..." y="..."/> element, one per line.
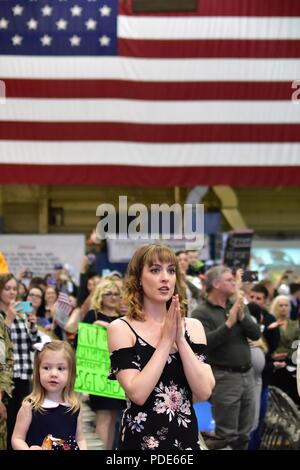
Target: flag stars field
<point x="47" y="10"/>
<point x="61" y="24"/>
<point x="32" y="23"/>
<point x="46" y="40"/>
<point x="17" y="40"/>
<point x="105" y="10"/>
<point x="4" y="23"/>
<point x="75" y="40"/>
<point x="76" y="10"/>
<point x="104" y="40"/>
<point x="91" y="24"/>
<point x="17" y="10"/>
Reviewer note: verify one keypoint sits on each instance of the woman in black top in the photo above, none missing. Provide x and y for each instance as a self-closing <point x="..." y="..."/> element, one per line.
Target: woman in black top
<point x="158" y="356"/>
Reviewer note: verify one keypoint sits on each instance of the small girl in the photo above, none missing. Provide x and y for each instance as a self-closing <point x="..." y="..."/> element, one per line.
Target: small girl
<point x="52" y="407"/>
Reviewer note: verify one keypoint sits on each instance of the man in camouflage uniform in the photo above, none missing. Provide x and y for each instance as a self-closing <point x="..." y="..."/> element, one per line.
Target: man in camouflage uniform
<point x="6" y="376"/>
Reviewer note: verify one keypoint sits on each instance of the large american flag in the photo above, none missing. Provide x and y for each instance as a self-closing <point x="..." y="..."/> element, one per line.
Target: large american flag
<point x="96" y="94"/>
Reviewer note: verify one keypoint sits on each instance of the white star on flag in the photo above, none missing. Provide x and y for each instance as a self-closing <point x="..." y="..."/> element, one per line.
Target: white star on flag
<point x="90" y="24"/>
<point x="32" y="23"/>
<point x="17" y="40"/>
<point x="61" y="24"/>
<point x="104" y="40"/>
<point x="3" y="23"/>
<point x="105" y="10"/>
<point x="47" y="10"/>
<point x="76" y="10"/>
<point x="46" y="40"/>
<point x="17" y="10"/>
<point x="75" y="40"/>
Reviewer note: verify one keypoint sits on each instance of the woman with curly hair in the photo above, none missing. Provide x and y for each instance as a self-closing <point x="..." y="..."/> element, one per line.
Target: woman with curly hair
<point x="158" y="356"/>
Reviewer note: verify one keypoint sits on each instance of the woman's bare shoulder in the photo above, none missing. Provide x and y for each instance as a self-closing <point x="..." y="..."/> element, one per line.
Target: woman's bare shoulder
<point x="119" y="334"/>
<point x="195" y="330"/>
<point x="118" y="324"/>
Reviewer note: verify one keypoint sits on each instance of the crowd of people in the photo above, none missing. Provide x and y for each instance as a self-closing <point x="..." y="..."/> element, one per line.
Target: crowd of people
<point x="177" y="333"/>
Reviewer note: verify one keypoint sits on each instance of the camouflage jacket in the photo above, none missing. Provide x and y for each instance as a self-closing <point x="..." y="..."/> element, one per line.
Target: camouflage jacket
<point x="6" y="357"/>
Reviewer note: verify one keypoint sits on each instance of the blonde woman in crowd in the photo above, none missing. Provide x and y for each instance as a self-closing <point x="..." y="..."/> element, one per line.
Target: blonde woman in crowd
<point x="285" y="378"/>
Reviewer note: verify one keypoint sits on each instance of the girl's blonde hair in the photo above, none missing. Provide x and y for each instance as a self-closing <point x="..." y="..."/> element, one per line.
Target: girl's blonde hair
<point x="147" y="255"/>
<point x="275" y="303"/>
<point x="105" y="285"/>
<point x="38" y="394"/>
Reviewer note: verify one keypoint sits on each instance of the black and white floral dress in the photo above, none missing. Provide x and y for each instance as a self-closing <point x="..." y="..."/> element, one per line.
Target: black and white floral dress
<point x="167" y="419"/>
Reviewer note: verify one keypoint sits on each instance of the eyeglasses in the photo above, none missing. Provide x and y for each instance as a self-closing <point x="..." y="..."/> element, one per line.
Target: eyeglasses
<point x="111" y="294"/>
<point x="38" y="296"/>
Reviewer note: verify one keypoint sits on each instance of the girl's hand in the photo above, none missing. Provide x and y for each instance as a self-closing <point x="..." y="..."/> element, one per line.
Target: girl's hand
<point x="169" y="329"/>
<point x="36" y="448"/>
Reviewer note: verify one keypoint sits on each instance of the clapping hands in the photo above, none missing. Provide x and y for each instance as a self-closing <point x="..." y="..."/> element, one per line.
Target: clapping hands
<point x="173" y="331"/>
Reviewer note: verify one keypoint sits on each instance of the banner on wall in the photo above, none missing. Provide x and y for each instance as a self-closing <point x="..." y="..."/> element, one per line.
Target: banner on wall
<point x="40" y="253"/>
<point x="121" y="251"/>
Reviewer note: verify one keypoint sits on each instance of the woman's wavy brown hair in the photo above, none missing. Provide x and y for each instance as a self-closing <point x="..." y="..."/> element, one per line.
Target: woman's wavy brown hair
<point x="147" y="255"/>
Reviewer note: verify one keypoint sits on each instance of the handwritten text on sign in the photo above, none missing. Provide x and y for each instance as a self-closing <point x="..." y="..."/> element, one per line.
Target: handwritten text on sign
<point x="93" y="363"/>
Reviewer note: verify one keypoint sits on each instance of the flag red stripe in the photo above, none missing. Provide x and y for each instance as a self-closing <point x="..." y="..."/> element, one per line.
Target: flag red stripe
<point x="128" y="132"/>
<point x="214" y="48"/>
<point x="148" y="177"/>
<point x="127" y="89"/>
<point x="229" y="8"/>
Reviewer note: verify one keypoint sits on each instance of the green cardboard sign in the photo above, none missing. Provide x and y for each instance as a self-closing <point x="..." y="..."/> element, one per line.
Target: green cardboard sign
<point x="93" y="363"/>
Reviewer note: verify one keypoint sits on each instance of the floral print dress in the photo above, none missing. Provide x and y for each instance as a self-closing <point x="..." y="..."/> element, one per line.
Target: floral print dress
<point x="167" y="419"/>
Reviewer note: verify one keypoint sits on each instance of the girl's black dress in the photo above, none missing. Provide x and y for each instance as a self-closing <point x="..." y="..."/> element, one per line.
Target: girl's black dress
<point x="55" y="419"/>
<point x="167" y="420"/>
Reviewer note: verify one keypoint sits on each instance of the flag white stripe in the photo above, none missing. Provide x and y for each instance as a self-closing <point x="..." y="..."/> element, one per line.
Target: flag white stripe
<point x="151" y="155"/>
<point x="153" y="27"/>
<point x="150" y="112"/>
<point x="171" y="70"/>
